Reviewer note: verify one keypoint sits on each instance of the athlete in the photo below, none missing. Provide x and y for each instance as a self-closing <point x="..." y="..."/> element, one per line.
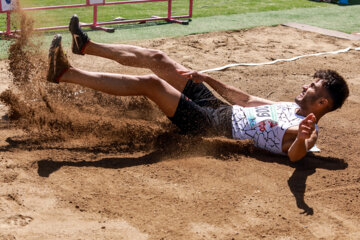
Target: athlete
<point x="279" y="127"/>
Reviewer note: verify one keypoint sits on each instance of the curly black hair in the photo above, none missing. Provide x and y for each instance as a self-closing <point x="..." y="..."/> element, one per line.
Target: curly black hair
<point x="336" y="86"/>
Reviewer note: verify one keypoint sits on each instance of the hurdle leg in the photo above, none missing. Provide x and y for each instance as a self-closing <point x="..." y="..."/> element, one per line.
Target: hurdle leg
<point x="95" y="24"/>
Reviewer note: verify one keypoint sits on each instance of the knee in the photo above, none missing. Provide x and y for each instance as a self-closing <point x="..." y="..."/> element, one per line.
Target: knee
<point x="151" y="83"/>
<point x="150" y="79"/>
<point x="157" y="55"/>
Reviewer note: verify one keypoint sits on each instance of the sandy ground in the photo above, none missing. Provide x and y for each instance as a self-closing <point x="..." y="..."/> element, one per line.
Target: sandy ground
<point x="71" y="190"/>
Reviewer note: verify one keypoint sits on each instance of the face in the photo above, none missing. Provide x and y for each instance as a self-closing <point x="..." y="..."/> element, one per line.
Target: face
<point x="310" y="93"/>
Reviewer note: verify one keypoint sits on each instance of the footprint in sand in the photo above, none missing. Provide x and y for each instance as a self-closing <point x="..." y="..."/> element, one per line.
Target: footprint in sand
<point x="7" y="237"/>
<point x="18" y="220"/>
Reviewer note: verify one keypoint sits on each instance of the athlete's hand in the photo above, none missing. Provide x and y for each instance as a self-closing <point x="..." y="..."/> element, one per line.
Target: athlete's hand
<point x="193" y="75"/>
<point x="306" y="127"/>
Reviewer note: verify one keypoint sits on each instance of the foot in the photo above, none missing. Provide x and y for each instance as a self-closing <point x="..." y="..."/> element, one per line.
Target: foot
<point x="58" y="63"/>
<point x="80" y="39"/>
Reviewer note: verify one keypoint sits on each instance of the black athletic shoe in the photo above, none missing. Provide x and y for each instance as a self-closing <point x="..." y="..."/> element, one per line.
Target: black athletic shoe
<point x="58" y="63"/>
<point x="80" y="39"/>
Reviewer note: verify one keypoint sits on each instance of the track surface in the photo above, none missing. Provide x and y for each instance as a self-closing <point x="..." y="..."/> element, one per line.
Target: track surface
<point x="73" y="190"/>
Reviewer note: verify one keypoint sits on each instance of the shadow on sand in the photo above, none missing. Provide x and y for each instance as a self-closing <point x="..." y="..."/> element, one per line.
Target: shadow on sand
<point x="173" y="146"/>
<point x="303" y="169"/>
<point x="217" y="148"/>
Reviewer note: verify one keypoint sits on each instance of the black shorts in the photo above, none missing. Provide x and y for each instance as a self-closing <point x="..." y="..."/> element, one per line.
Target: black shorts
<point x="201" y="113"/>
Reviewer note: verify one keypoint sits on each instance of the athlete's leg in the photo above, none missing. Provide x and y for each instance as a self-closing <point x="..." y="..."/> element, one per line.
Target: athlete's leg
<point x="151" y="86"/>
<point x="155" y="60"/>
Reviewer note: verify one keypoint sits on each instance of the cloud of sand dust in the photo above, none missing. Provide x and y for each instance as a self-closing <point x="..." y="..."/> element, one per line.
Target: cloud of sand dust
<point x="50" y="109"/>
<point x="51" y="112"/>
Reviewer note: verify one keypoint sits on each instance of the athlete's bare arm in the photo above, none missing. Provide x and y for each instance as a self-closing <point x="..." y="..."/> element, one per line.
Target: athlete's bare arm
<point x="233" y="95"/>
<point x="305" y="140"/>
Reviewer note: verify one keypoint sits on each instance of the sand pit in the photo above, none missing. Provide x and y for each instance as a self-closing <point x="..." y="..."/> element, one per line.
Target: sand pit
<point x="76" y="164"/>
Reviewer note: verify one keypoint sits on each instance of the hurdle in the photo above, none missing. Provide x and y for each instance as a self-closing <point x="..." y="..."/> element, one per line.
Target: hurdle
<point x="7" y="6"/>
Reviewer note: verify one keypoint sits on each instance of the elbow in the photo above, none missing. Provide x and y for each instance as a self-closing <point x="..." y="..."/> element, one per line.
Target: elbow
<point x="294" y="158"/>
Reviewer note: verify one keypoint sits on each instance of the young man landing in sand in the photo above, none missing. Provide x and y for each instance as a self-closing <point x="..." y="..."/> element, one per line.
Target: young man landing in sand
<point x="279" y="127"/>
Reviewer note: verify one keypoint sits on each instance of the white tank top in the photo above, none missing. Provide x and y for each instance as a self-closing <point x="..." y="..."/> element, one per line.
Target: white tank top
<point x="266" y="124"/>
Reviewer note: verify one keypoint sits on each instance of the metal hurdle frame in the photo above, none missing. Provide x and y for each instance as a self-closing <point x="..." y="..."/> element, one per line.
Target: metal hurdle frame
<point x="99" y="25"/>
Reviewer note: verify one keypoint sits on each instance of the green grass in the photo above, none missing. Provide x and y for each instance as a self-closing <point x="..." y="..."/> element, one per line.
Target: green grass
<point x="202" y="8"/>
<point x="346" y="19"/>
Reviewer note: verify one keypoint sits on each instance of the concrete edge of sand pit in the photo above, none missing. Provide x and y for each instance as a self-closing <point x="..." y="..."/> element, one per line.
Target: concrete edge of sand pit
<point x="323" y="31"/>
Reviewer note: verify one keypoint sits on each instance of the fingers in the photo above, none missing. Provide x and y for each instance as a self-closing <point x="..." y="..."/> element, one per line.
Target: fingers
<point x="306" y="134"/>
<point x="310" y="120"/>
<point x="193" y="75"/>
<point x="182" y="71"/>
<point x="185" y="73"/>
<point x="188" y="74"/>
<point x="311" y="117"/>
<point x="306" y="128"/>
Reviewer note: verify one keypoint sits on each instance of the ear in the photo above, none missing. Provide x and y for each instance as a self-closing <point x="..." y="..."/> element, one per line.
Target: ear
<point x="323" y="101"/>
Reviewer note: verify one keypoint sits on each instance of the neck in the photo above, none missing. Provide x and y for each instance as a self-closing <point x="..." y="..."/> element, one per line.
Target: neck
<point x="303" y="112"/>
